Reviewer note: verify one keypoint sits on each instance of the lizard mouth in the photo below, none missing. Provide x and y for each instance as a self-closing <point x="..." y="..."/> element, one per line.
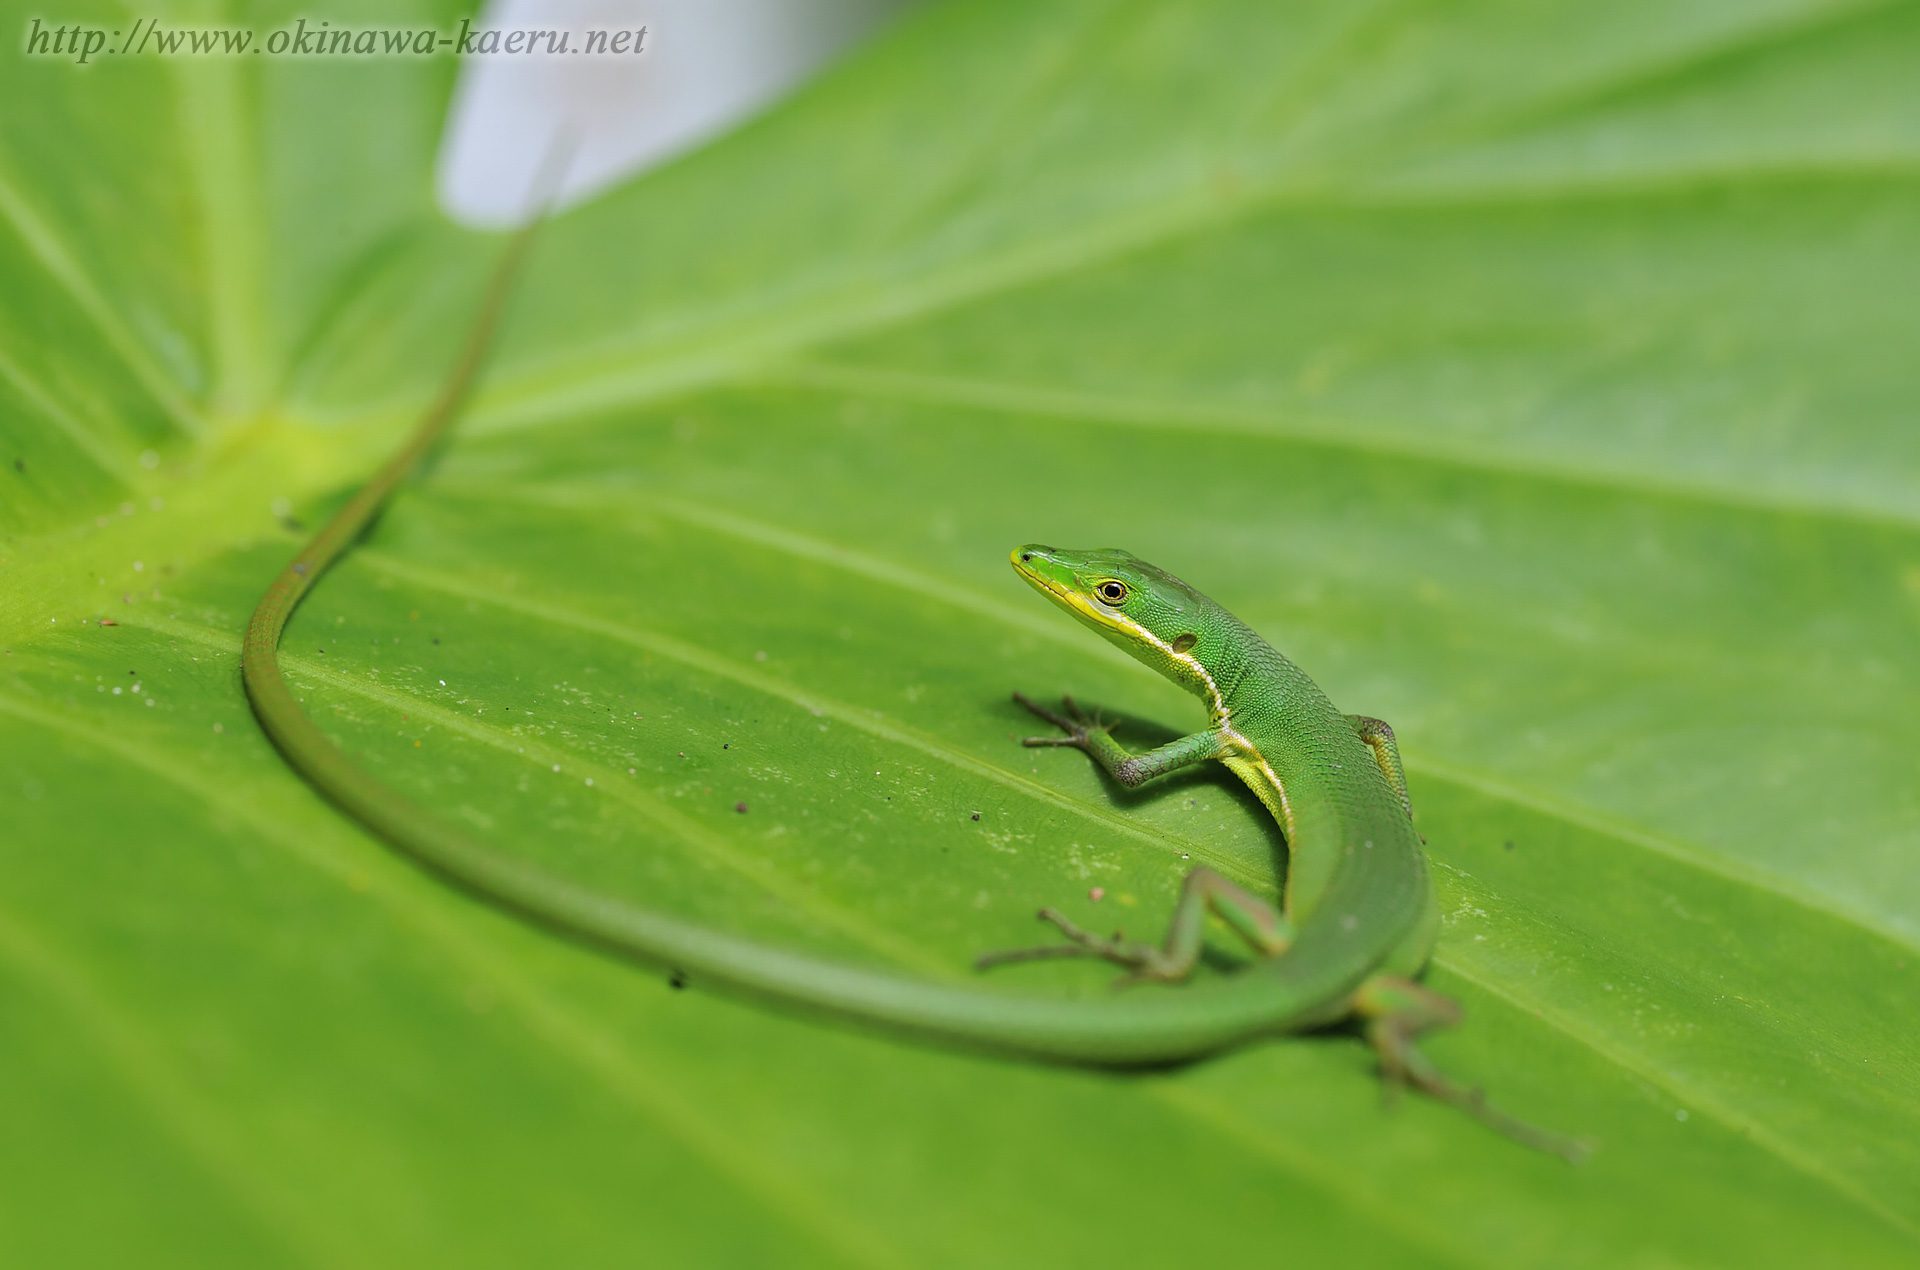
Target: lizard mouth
<point x="1035" y="563"/>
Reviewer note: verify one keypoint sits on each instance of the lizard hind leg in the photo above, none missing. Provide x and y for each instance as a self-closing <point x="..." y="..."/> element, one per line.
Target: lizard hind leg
<point x="1396" y="1011"/>
<point x="1386" y="752"/>
<point x="1255" y="920"/>
<point x="1138" y="956"/>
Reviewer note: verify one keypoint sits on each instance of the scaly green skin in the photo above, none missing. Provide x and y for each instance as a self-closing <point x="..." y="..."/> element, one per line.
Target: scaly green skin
<point x="1357" y="892"/>
<point x="1359" y="915"/>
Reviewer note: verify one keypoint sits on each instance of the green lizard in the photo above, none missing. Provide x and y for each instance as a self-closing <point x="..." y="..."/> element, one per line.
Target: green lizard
<point x="1359" y="916"/>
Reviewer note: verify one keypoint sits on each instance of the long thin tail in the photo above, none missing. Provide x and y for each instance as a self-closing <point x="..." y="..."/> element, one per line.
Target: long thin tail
<point x="1308" y="986"/>
<point x="1135" y="1029"/>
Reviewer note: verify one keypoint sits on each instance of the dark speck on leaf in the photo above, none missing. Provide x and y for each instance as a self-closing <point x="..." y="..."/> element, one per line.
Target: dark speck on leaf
<point x="741" y="808"/>
<point x="1509" y="846"/>
<point x="19" y="465"/>
<point x="436" y="639"/>
<point x="725" y="745"/>
<point x="976" y="815"/>
<point x="676" y="981"/>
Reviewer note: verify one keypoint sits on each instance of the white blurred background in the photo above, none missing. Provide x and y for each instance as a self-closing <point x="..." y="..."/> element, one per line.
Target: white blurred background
<point x="707" y="66"/>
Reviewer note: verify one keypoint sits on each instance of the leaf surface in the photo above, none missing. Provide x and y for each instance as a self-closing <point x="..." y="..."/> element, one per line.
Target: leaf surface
<point x="1537" y="378"/>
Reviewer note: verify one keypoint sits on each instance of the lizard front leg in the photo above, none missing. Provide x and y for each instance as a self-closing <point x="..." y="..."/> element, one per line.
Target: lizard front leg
<point x="1257" y="921"/>
<point x="1095" y="737"/>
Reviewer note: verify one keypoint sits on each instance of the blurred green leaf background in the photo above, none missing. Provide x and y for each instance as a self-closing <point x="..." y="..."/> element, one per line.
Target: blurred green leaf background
<point x="1540" y="377"/>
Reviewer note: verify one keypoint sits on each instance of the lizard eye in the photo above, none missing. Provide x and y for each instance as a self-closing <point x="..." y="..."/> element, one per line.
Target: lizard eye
<point x="1111" y="592"/>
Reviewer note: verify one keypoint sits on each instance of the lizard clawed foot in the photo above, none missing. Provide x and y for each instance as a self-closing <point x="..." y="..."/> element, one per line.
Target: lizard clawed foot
<point x="1076" y="723"/>
<point x="1148" y="963"/>
<point x="1396" y="1012"/>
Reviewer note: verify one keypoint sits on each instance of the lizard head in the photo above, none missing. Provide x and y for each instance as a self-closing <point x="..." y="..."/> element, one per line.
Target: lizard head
<point x="1144" y="609"/>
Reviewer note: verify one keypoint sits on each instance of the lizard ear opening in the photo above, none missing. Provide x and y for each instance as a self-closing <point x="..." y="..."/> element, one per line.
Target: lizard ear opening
<point x="1185" y="642"/>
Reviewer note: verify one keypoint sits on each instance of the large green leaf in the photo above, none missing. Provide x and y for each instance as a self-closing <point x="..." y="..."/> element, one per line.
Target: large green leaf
<point x="1539" y="376"/>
